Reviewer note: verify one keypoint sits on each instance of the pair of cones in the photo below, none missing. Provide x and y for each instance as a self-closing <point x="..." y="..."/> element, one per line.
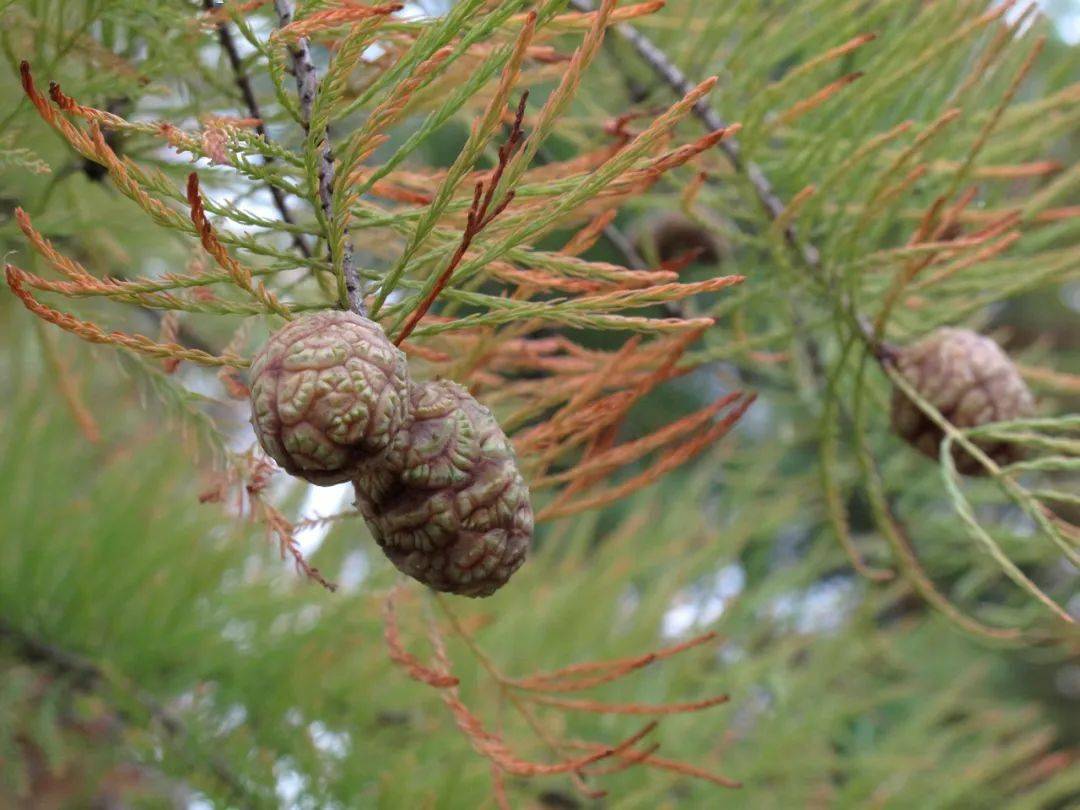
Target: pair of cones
<point x="435" y="477"/>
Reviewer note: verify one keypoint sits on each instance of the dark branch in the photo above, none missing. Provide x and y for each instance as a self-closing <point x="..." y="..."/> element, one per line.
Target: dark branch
<point x="243" y="82"/>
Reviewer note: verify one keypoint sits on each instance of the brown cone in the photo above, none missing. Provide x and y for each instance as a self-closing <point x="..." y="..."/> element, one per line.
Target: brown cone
<point x="456" y="514"/>
<point x="329" y="391"/>
<point x="971" y="381"/>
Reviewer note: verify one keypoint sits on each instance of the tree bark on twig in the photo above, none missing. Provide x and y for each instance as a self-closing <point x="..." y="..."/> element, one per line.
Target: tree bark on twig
<point x="307" y="84"/>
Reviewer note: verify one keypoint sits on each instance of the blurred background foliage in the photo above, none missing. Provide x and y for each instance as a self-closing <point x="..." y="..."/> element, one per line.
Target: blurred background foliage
<point x="156" y="651"/>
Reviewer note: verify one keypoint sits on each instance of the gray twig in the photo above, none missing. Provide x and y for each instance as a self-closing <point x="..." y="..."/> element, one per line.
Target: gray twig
<point x="625" y="246"/>
<point x="307" y="83"/>
<point x="663" y="67"/>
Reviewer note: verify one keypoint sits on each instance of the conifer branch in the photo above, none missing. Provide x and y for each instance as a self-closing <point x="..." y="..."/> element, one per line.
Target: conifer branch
<point x="481" y="213"/>
<point x="307" y="84"/>
<point x="625" y="247"/>
<point x="18" y="279"/>
<point x="613" y="235"/>
<point x="240" y="275"/>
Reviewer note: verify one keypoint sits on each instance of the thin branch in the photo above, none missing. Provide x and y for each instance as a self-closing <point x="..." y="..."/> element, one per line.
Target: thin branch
<point x="307" y="83"/>
<point x="92" y="333"/>
<point x="405" y="659"/>
<point x="663" y="67"/>
<point x="774" y="207"/>
<point x="240" y="275"/>
<point x="243" y="82"/>
<point x="598" y="707"/>
<point x="186" y="336"/>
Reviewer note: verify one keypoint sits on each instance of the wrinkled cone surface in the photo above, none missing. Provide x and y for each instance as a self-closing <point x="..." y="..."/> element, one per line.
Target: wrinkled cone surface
<point x="971" y="381"/>
<point x="329" y="392"/>
<point x="456" y="514"/>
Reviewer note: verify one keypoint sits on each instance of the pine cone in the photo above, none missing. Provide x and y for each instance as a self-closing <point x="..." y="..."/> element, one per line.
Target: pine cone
<point x="456" y="514"/>
<point x="329" y="392"/>
<point x="672" y="235"/>
<point x="971" y="381"/>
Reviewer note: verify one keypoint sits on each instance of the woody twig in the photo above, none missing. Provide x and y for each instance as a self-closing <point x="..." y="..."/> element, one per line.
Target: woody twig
<point x="307" y="83"/>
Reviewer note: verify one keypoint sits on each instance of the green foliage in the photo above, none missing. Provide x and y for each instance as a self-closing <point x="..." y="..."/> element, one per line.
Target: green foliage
<point x="279" y="684"/>
<point x="932" y="181"/>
